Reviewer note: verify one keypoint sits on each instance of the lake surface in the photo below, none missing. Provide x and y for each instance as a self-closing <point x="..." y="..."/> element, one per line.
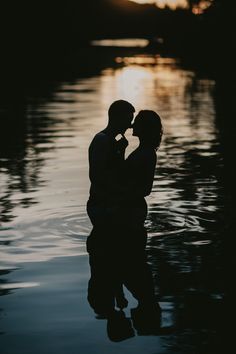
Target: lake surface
<point x="43" y="223"/>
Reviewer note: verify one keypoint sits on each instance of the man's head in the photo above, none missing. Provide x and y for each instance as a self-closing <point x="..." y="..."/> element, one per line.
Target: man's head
<point x="120" y="115"/>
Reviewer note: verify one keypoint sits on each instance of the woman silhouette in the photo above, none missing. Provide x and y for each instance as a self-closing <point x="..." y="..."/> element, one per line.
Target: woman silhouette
<point x="138" y="176"/>
<point x="130" y="235"/>
<point x="138" y="173"/>
<point x="141" y="163"/>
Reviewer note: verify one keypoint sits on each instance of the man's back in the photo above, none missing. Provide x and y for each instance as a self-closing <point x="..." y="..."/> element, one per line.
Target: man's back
<point x="104" y="161"/>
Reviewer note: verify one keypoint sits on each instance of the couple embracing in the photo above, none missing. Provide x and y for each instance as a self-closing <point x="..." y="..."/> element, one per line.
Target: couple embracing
<point x="117" y="210"/>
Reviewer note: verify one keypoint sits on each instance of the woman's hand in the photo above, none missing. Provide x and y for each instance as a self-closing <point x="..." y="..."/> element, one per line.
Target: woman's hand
<point x="122" y="144"/>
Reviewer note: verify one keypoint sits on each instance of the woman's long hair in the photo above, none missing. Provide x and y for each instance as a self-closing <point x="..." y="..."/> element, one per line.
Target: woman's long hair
<point x="150" y="127"/>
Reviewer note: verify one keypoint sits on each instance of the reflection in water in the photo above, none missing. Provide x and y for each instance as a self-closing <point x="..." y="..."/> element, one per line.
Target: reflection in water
<point x="112" y="266"/>
<point x="17" y="285"/>
<point x="44" y="181"/>
<point x="132" y="42"/>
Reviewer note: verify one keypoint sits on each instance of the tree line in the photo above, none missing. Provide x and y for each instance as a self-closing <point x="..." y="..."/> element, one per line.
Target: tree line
<point x="38" y="31"/>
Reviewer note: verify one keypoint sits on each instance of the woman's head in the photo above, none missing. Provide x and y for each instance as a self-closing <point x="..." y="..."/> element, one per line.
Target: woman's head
<point x="148" y="128"/>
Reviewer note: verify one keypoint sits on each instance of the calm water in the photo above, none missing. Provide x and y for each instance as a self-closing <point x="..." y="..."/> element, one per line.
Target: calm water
<point x="44" y="183"/>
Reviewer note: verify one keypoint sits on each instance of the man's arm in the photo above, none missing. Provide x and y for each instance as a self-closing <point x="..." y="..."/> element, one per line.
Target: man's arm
<point x="99" y="160"/>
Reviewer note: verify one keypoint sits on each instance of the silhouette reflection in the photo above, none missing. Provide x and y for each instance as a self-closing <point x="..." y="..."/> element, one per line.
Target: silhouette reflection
<point x="116" y="263"/>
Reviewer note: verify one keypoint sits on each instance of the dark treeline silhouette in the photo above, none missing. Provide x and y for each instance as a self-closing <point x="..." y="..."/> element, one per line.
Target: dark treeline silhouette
<point x="39" y="35"/>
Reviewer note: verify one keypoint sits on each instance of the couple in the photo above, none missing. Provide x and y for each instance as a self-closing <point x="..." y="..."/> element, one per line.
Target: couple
<point x="117" y="210"/>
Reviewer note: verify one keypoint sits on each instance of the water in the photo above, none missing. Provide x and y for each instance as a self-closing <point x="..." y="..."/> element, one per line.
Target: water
<point x="44" y="185"/>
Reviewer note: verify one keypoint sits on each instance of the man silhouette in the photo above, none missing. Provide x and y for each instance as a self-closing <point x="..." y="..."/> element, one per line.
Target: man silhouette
<point x="106" y="158"/>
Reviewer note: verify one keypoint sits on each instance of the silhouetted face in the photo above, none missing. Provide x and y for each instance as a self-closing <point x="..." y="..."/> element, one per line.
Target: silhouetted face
<point x="137" y="127"/>
<point x="125" y="122"/>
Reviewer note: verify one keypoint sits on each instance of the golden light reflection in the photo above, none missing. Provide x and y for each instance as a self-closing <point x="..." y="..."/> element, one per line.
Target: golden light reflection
<point x="145" y="81"/>
<point x="129" y="83"/>
<point x="159" y="84"/>
<point x="123" y="42"/>
<point x="146" y="60"/>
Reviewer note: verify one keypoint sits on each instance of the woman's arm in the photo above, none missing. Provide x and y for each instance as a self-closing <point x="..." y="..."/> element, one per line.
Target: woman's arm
<point x="139" y="174"/>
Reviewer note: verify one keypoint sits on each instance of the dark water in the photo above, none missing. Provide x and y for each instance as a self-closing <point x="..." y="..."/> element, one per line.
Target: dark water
<point x="44" y="187"/>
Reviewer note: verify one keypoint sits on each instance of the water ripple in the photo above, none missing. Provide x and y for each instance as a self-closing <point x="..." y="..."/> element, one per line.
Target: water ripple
<point x="44" y="182"/>
<point x="46" y="238"/>
<point x="18" y="285"/>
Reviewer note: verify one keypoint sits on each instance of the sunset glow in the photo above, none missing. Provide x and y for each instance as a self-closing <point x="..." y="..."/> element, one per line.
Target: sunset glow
<point x="201" y="7"/>
<point x="196" y="9"/>
<point x="162" y="3"/>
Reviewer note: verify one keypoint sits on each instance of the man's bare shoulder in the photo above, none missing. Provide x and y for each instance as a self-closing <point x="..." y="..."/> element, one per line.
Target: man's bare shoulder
<point x="99" y="140"/>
